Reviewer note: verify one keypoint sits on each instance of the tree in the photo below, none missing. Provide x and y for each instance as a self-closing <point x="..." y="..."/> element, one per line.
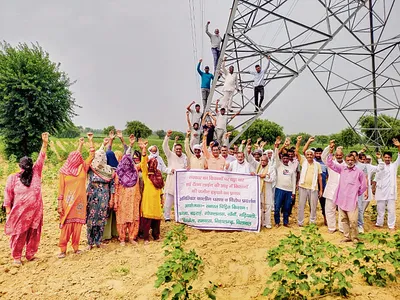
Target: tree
<point x="322" y="139"/>
<point x="69" y="132"/>
<point x="264" y="129"/>
<point x="178" y="133"/>
<point x="230" y="128"/>
<point x="304" y="140"/>
<point x="348" y="137"/>
<point x="160" y="133"/>
<point x="108" y="129"/>
<point x="138" y="129"/>
<point x="384" y="121"/>
<point x="34" y="97"/>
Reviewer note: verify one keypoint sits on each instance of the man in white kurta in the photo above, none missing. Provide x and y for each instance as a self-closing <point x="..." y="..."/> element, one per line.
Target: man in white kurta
<point x="330" y="189"/>
<point x="230" y="85"/>
<point x="265" y="169"/>
<point x="176" y="160"/>
<point x="386" y="188"/>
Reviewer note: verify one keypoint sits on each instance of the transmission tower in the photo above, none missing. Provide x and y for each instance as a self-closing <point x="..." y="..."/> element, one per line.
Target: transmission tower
<point x="325" y="37"/>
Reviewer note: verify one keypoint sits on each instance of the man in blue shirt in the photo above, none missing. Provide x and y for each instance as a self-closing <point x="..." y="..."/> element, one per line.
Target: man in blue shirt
<point x="324" y="168"/>
<point x="206" y="78"/>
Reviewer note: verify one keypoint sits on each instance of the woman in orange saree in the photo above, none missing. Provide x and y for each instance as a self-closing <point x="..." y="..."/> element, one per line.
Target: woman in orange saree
<point x="72" y="199"/>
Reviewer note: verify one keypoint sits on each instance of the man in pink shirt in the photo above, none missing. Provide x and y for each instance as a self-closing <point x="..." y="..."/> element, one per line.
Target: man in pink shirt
<point x="352" y="184"/>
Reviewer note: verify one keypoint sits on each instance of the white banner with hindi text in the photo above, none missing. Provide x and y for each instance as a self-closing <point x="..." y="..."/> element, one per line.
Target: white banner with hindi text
<point x="215" y="200"/>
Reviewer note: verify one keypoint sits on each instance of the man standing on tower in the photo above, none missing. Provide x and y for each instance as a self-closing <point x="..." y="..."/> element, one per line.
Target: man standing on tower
<point x="216" y="41"/>
<point x="258" y="83"/>
<point x="206" y="78"/>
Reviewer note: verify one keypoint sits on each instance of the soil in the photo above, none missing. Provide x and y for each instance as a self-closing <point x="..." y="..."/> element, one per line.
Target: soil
<point x="235" y="261"/>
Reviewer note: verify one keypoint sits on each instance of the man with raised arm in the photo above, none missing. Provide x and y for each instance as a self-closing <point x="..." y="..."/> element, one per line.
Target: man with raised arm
<point x="386" y="188"/>
<point x="196" y="161"/>
<point x="230" y="86"/>
<point x="209" y="126"/>
<point x="324" y="174"/>
<point x="310" y="179"/>
<point x="195" y="131"/>
<point x="285" y="189"/>
<point x="176" y="160"/>
<point x="196" y="114"/>
<point x="352" y="184"/>
<point x="216" y="41"/>
<point x="258" y="83"/>
<point x="222" y="122"/>
<point x="214" y="160"/>
<point x="330" y="189"/>
<point x="206" y="78"/>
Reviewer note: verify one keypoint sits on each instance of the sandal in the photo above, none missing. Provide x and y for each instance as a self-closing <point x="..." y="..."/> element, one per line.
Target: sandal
<point x="17" y="262"/>
<point x="78" y="252"/>
<point x="61" y="255"/>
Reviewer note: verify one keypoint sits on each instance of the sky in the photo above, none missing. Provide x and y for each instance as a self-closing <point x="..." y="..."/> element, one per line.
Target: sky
<point x="134" y="60"/>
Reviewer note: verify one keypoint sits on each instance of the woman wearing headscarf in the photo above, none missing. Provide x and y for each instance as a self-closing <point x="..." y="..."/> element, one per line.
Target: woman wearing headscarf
<point x="99" y="190"/>
<point x="24" y="205"/>
<point x="126" y="200"/>
<point x="155" y="153"/>
<point x="72" y="199"/>
<point x="110" y="230"/>
<point x="151" y="207"/>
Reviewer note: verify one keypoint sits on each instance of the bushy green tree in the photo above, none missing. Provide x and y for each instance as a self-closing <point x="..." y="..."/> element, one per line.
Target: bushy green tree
<point x="108" y="129"/>
<point x="264" y="129"/>
<point x="160" y="133"/>
<point x="69" y="132"/>
<point x="348" y="137"/>
<point x="384" y="121"/>
<point x="305" y="136"/>
<point x="178" y="133"/>
<point x="34" y="97"/>
<point x="138" y="129"/>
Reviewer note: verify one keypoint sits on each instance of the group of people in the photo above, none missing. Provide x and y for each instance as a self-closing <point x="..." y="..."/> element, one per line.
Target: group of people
<point x="230" y="85"/>
<point x="122" y="194"/>
<point x="120" y="190"/>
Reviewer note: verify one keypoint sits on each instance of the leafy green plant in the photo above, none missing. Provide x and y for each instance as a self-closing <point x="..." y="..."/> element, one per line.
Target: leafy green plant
<point x="394" y="256"/>
<point x="308" y="265"/>
<point x="180" y="268"/>
<point x="371" y="258"/>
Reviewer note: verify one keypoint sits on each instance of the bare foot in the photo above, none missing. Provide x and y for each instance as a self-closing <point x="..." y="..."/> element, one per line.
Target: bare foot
<point x="146" y="242"/>
<point x="78" y="252"/>
<point x="122" y="244"/>
<point x="133" y="242"/>
<point x="101" y="246"/>
<point x="89" y="247"/>
<point x="61" y="255"/>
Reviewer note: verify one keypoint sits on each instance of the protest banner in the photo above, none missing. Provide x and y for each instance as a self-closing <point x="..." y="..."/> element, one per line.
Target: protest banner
<point x="217" y="200"/>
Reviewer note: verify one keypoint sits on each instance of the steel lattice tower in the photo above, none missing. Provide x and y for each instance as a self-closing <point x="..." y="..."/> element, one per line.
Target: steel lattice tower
<point x="348" y="46"/>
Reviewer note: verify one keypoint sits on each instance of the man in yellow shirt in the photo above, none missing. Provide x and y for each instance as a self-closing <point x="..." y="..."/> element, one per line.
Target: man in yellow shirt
<point x="196" y="161"/>
<point x="310" y="179"/>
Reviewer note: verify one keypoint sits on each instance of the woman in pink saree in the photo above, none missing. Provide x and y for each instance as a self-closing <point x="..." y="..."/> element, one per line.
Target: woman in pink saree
<point x="24" y="206"/>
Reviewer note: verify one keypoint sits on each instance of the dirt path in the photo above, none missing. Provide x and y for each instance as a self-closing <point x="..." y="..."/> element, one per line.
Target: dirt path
<point x="233" y="260"/>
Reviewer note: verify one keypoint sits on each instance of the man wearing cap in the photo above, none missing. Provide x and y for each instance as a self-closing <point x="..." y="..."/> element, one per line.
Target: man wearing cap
<point x="206" y="78"/>
<point x="196" y="161"/>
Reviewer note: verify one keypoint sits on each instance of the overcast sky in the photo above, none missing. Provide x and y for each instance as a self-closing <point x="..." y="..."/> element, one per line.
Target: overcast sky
<point x="133" y="60"/>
